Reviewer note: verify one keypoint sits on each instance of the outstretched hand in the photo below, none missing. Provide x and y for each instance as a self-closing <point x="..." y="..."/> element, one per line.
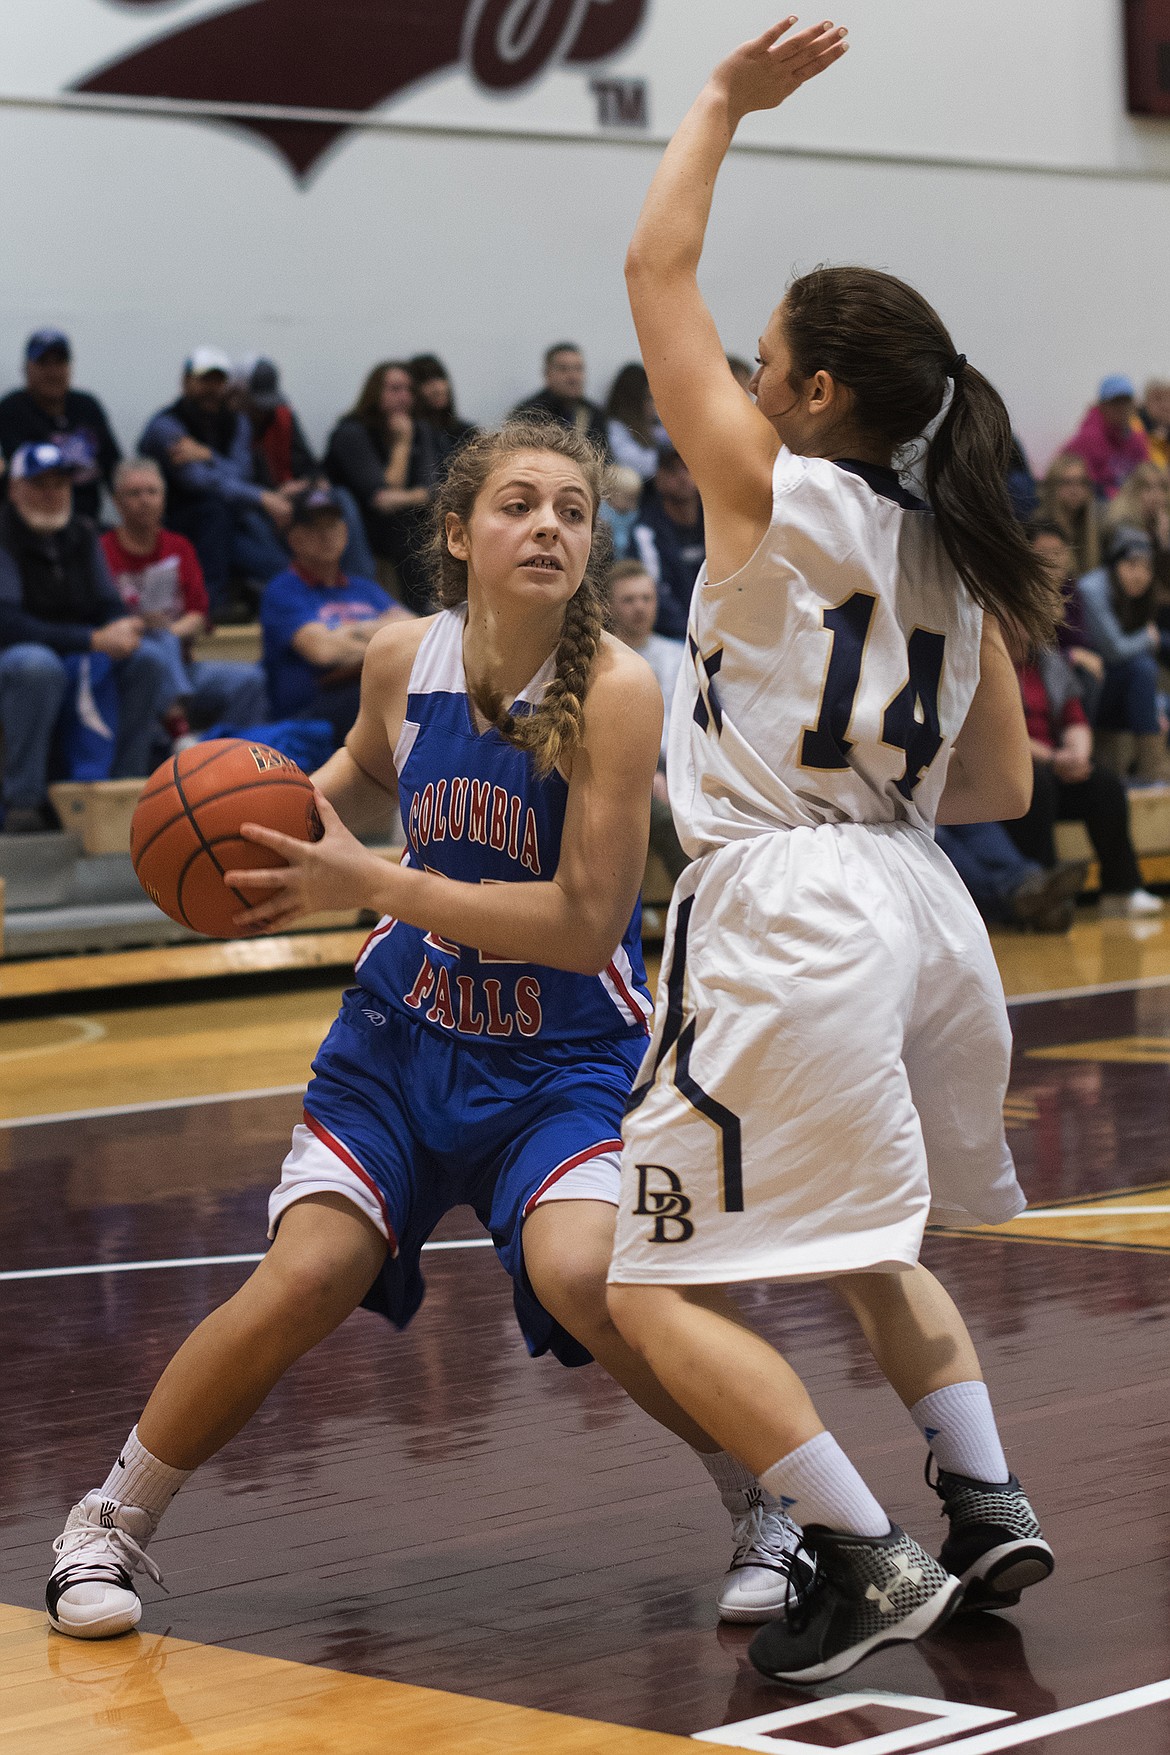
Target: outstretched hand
<point x="336" y="872"/>
<point x="761" y="74"/>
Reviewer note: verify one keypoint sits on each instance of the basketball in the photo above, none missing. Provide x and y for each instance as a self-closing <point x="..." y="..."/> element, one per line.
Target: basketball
<point x="186" y="829"/>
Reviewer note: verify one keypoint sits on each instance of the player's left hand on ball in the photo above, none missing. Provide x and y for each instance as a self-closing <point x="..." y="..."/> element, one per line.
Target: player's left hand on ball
<point x="761" y="74"/>
<point x="336" y="872"/>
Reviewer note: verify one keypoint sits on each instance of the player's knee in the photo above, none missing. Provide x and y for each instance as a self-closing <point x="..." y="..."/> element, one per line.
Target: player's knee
<point x="631" y="1312"/>
<point x="305" y="1292"/>
<point x="574" y="1292"/>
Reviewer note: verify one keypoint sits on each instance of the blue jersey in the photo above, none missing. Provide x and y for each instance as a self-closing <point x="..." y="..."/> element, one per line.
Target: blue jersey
<point x="474" y="809"/>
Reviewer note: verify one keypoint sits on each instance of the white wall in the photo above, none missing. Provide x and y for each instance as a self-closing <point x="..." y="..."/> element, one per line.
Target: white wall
<point x="143" y="236"/>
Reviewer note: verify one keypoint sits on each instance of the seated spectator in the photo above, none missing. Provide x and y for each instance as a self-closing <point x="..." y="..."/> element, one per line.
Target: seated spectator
<point x="318" y="622"/>
<point x="204" y="448"/>
<point x="1154" y="415"/>
<point x="1143" y="501"/>
<point x="1117" y="603"/>
<point x="282" y="457"/>
<point x="160" y="581"/>
<point x="390" y="462"/>
<point x="1021" y="483"/>
<point x="1109" y="439"/>
<point x="633" y="431"/>
<point x="1008" y="889"/>
<point x="634" y="605"/>
<point x="57" y="604"/>
<point x="1051" y="544"/>
<point x="621" y="510"/>
<point x="434" y="403"/>
<point x="1067" y="500"/>
<point x="673" y="513"/>
<point x="48" y="411"/>
<point x="563" y="397"/>
<point x="1068" y="786"/>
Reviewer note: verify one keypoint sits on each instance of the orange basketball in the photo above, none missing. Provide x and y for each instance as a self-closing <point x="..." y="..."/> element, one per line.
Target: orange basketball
<point x="186" y="828"/>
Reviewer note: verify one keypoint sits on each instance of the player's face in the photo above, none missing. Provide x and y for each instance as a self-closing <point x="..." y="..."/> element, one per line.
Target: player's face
<point x="530" y="530"/>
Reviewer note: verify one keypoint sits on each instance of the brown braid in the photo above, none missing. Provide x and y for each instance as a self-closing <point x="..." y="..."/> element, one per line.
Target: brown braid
<point x="556" y="727"/>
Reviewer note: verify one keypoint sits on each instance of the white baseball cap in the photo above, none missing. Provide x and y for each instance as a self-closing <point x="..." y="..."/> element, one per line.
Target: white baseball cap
<point x="208" y="359"/>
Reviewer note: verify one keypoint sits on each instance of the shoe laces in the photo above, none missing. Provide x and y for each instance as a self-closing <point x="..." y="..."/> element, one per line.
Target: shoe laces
<point x="90" y="1535"/>
<point x="763" y="1534"/>
<point x="802" y="1584"/>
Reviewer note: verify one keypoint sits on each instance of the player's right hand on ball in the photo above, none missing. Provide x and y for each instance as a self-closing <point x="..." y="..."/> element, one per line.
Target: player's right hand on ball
<point x="761" y="74"/>
<point x="336" y="872"/>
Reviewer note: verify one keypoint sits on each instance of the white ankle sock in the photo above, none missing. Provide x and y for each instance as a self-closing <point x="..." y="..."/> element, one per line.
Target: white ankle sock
<point x="958" y="1424"/>
<point x="817" y="1483"/>
<point x="138" y="1478"/>
<point x="738" y="1487"/>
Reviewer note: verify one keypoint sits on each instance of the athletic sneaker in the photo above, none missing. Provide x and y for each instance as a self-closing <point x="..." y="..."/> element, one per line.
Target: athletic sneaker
<point x="768" y="1551"/>
<point x="995" y="1544"/>
<point x="867" y="1592"/>
<point x="1138" y="905"/>
<point x="89" y="1594"/>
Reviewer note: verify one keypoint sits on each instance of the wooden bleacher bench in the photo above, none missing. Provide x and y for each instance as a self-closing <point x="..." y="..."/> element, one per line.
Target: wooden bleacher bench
<point x="241" y="642"/>
<point x="1149" y="824"/>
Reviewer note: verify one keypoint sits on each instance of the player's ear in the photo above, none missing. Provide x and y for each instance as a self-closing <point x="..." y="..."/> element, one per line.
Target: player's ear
<point x="456" y="537"/>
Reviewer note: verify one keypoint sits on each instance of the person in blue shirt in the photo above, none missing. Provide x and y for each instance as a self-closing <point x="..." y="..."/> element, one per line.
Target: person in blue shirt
<point x="317" y="620"/>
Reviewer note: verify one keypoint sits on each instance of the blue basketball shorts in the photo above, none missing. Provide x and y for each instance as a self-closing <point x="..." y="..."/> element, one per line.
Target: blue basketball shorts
<point x="408" y="1123"/>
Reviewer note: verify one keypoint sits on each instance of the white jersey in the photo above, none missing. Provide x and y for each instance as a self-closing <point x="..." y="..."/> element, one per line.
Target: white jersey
<point x="827" y="679"/>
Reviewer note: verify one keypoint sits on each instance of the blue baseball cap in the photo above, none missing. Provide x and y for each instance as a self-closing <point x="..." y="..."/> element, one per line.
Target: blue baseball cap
<point x="43" y="341"/>
<point x="315" y="501"/>
<point x="33" y="460"/>
<point x="1113" y="388"/>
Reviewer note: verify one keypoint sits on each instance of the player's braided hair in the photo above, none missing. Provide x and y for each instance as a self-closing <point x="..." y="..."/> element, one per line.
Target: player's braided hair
<point x="556" y="727"/>
<point x="882" y="340"/>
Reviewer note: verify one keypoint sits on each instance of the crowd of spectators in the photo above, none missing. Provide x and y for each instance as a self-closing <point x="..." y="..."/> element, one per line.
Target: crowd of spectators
<point x="112" y="570"/>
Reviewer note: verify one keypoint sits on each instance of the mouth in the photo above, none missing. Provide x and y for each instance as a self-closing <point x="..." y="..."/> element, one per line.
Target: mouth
<point x="543" y="563"/>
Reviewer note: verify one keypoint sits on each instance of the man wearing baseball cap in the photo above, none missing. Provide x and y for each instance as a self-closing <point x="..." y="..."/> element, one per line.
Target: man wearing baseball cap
<point x="49" y="411"/>
<point x="204" y="447"/>
<point x="1110" y="440"/>
<point x="58" y="604"/>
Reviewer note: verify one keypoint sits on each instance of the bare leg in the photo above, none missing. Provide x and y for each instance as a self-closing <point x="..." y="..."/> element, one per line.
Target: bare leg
<point x="324" y="1260"/>
<point x="913" y="1329"/>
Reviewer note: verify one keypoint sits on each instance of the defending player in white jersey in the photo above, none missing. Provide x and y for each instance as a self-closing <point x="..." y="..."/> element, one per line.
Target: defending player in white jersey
<point x="831" y="1044"/>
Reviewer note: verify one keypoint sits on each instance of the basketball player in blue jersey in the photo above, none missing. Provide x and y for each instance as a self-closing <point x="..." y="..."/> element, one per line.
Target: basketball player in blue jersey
<point x="831" y="1045"/>
<point x="488" y="1051"/>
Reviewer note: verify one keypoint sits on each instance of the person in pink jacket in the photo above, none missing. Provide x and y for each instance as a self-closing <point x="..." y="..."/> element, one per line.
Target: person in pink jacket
<point x="1109" y="440"/>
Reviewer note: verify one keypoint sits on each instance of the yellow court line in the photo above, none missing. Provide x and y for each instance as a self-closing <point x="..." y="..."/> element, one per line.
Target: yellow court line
<point x="164" y="1696"/>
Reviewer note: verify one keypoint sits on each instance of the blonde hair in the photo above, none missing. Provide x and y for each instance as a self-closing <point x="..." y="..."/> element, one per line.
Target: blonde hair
<point x="556" y="727"/>
<point x="1125" y="506"/>
<point x="1082" y="533"/>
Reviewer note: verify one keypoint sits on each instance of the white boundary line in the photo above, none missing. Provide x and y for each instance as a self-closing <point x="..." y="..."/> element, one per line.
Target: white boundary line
<point x="1090" y="992"/>
<point x="184" y="1261"/>
<point x="1091" y="1712"/>
<point x="1049" y="1213"/>
<point x="157" y="1103"/>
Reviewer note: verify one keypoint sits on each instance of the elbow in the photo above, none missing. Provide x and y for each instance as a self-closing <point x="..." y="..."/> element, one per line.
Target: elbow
<point x="1016" y="800"/>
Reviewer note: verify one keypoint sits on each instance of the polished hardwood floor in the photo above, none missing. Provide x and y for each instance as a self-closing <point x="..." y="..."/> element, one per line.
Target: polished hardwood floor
<point x="433" y="1533"/>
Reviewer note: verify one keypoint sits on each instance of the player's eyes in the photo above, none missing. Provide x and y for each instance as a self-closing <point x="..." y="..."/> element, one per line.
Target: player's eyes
<point x="575" y="514"/>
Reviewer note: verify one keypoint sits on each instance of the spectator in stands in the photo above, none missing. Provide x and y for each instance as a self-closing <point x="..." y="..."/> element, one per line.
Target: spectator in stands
<point x="1109" y="439"/>
<point x="434" y="403"/>
<point x="563" y="397"/>
<point x="58" y="603"/>
<point x="390" y="462"/>
<point x="1117" y="602"/>
<point x="1067" y="500"/>
<point x="1154" y="415"/>
<point x="1008" y="889"/>
<point x="1068" y="786"/>
<point x="1053" y="547"/>
<point x="1021" y="482"/>
<point x="621" y="510"/>
<point x="1143" y="501"/>
<point x="317" y="621"/>
<point x="204" y="448"/>
<point x="673" y="513"/>
<point x="633" y="431"/>
<point x="49" y="411"/>
<point x="634" y="606"/>
<point x="282" y="457"/>
<point x="160" y="581"/>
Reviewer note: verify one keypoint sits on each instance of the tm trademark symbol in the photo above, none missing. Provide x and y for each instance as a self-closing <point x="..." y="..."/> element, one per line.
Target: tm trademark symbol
<point x="621" y="103"/>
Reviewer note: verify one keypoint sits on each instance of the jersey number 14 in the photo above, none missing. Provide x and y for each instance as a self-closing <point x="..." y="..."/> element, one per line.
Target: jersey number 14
<point x="910" y="722"/>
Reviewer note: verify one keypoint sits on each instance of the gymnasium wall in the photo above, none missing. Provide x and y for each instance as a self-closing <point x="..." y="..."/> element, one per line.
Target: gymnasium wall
<point x="980" y="149"/>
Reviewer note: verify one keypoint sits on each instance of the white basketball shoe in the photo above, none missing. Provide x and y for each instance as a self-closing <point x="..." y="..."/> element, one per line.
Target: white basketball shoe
<point x="757" y="1583"/>
<point x="90" y="1594"/>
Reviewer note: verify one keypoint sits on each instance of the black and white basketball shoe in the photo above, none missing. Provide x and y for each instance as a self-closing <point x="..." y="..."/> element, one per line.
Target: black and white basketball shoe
<point x="90" y="1593"/>
<point x="768" y="1553"/>
<point x="867" y="1592"/>
<point x="994" y="1544"/>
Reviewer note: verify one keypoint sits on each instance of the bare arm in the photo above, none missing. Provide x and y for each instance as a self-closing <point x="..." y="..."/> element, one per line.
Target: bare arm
<point x="326" y="647"/>
<point x="990" y="776"/>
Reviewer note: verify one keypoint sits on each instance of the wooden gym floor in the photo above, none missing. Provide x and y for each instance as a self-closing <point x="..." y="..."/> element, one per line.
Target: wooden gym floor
<point x="427" y="1542"/>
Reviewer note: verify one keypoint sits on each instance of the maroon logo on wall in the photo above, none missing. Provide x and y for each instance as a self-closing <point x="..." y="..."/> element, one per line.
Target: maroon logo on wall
<point x="354" y="54"/>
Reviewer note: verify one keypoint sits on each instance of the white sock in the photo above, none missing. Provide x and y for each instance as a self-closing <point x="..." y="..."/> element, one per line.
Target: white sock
<point x="138" y="1478"/>
<point x="738" y="1487"/>
<point x="817" y="1483"/>
<point x="959" y="1426"/>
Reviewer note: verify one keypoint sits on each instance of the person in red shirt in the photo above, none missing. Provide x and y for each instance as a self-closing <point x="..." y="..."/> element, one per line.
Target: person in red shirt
<point x="1068" y="787"/>
<point x="160" y="580"/>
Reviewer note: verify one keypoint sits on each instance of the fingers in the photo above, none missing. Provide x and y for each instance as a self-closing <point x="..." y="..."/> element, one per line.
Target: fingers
<point x="329" y="816"/>
<point x="772" y="36"/>
<point x="816" y="46"/>
<point x="283" y="844"/>
<point x="270" y="878"/>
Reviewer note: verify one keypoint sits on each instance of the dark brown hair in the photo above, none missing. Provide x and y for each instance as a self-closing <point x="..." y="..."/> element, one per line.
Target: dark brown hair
<point x="627" y="400"/>
<point x="368" y="407"/>
<point x="881" y="340"/>
<point x="555" y="728"/>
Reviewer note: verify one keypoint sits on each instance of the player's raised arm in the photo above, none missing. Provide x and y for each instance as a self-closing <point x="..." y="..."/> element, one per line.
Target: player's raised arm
<point x="728" y="445"/>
